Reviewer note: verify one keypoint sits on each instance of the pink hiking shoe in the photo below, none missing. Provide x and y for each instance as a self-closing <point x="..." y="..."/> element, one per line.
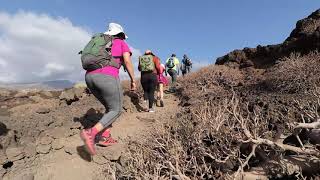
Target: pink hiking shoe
<point x="88" y="140"/>
<point x="107" y="141"/>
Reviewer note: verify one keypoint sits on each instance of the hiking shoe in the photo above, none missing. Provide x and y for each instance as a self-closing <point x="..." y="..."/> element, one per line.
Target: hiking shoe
<point x="105" y="133"/>
<point x="88" y="140"/>
<point x="107" y="141"/>
<point x="151" y="110"/>
<point x="158" y="103"/>
<point x="161" y="103"/>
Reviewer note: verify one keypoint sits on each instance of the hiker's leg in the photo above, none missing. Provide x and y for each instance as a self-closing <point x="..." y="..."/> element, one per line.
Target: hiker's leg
<point x="161" y="91"/>
<point x="152" y="87"/>
<point x="111" y="92"/>
<point x="171" y="73"/>
<point x="174" y="76"/>
<point x="145" y="87"/>
<point x="93" y="89"/>
<point x="158" y="91"/>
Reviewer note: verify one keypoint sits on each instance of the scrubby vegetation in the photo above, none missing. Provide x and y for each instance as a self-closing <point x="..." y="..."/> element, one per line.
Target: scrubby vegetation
<point x="226" y="130"/>
<point x="254" y="115"/>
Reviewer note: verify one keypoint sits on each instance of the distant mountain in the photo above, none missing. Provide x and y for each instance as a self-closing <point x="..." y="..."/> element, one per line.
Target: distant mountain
<point x="46" y="85"/>
<point x="58" y="84"/>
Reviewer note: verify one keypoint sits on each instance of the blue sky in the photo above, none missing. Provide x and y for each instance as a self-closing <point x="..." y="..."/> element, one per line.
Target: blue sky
<point x="203" y="29"/>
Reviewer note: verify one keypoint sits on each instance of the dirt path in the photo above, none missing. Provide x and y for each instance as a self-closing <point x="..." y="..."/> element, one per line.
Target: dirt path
<point x="72" y="162"/>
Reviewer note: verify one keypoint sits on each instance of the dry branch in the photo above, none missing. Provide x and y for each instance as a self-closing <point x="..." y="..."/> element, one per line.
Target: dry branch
<point x="313" y="125"/>
<point x="286" y="147"/>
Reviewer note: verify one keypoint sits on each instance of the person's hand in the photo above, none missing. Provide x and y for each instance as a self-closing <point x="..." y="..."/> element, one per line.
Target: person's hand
<point x="133" y="86"/>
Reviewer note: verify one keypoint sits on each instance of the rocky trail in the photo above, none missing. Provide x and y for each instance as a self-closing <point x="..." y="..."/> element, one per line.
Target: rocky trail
<point x="40" y="137"/>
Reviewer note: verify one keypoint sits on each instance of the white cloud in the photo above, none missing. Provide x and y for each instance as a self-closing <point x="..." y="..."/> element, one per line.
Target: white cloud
<point x="38" y="47"/>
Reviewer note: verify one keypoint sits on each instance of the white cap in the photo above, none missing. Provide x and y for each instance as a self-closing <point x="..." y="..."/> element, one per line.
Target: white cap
<point x="114" y="29"/>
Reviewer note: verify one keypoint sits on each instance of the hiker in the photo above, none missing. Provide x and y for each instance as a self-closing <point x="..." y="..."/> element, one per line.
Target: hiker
<point x="172" y="64"/>
<point x="186" y="65"/>
<point x="102" y="58"/>
<point x="149" y="66"/>
<point x="162" y="81"/>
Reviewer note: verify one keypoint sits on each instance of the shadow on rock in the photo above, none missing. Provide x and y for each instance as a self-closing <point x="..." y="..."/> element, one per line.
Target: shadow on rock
<point x="82" y="152"/>
<point x="91" y="118"/>
<point x="3" y="129"/>
<point x="134" y="97"/>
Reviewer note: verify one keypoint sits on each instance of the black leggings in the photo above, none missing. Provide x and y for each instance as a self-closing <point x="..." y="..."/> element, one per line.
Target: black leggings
<point x="149" y="82"/>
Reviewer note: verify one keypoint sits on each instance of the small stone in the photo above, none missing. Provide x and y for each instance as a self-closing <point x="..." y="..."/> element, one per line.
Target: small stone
<point x="113" y="152"/>
<point x="3" y="158"/>
<point x="30" y="151"/>
<point x="45" y="140"/>
<point x="23" y="176"/>
<point x="58" y="144"/>
<point x="4" y="107"/>
<point x="43" y="149"/>
<point x="99" y="159"/>
<point x="36" y="99"/>
<point x="43" y="110"/>
<point x="15" y="153"/>
<point x="59" y="132"/>
<point x="25" y="140"/>
<point x="123" y="160"/>
<point x="19" y="163"/>
<point x="119" y="167"/>
<point x="70" y="150"/>
<point x="76" y="125"/>
<point x="2" y="172"/>
<point x="46" y="94"/>
<point x="21" y="94"/>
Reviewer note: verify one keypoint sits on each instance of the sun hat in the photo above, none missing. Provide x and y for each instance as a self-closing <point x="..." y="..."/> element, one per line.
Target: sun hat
<point x="148" y="51"/>
<point x="114" y="29"/>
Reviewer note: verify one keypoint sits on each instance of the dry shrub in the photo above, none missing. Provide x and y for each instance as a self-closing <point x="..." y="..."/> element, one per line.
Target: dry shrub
<point x="294" y="74"/>
<point x="216" y="141"/>
<point x="235" y="122"/>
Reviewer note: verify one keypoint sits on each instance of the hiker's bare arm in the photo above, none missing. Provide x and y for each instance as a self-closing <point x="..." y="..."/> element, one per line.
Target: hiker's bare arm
<point x="139" y="68"/>
<point x="129" y="65"/>
<point x="157" y="62"/>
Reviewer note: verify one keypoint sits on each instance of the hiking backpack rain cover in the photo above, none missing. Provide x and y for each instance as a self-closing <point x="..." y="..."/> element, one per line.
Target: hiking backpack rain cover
<point x="97" y="53"/>
<point x="146" y="63"/>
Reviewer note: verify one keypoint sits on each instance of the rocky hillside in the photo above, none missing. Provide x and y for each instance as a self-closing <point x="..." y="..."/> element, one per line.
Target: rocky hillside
<point x="39" y="133"/>
<point x="253" y="115"/>
<point x="303" y="39"/>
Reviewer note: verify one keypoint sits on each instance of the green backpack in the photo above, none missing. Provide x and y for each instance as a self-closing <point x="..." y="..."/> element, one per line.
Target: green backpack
<point x="146" y="63"/>
<point x="97" y="53"/>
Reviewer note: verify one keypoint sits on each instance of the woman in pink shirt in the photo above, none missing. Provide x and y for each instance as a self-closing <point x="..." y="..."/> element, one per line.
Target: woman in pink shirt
<point x="162" y="81"/>
<point x="105" y="85"/>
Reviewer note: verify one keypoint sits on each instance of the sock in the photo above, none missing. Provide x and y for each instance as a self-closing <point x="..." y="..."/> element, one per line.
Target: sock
<point x="94" y="132"/>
